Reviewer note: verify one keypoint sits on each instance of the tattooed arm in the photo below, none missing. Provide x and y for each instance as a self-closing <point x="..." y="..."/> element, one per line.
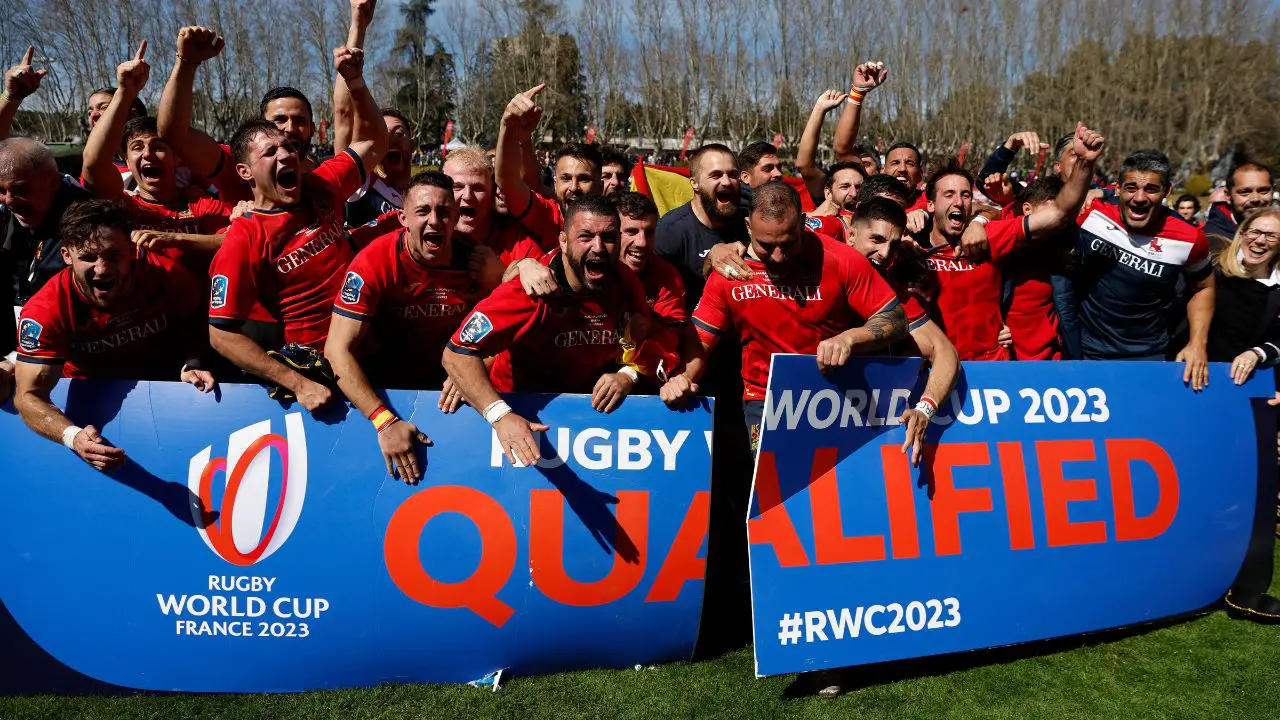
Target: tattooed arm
<point x="880" y="330"/>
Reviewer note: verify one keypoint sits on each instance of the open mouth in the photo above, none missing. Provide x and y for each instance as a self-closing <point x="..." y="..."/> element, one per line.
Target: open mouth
<point x="433" y="241"/>
<point x="393" y="158"/>
<point x="595" y="268"/>
<point x="1139" y="214"/>
<point x="955" y="219"/>
<point x="466" y="211"/>
<point x="149" y="171"/>
<point x="287" y="179"/>
<point x="1256" y="252"/>
<point x="101" y="285"/>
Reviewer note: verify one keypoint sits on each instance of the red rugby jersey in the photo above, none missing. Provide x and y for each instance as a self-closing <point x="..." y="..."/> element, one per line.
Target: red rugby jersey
<point x="664" y="291"/>
<point x="413" y="309"/>
<point x="830" y="225"/>
<point x="544" y="220"/>
<point x="967" y="299"/>
<point x="199" y="215"/>
<point x="150" y="333"/>
<point x="836" y="290"/>
<point x="292" y="261"/>
<point x="562" y="343"/>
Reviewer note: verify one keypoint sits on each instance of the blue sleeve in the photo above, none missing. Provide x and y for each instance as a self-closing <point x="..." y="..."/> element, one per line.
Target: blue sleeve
<point x="1064" y="302"/>
<point x="999" y="161"/>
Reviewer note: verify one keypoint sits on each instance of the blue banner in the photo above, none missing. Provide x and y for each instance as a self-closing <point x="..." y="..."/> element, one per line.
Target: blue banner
<point x="1053" y="499"/>
<point x="248" y="547"/>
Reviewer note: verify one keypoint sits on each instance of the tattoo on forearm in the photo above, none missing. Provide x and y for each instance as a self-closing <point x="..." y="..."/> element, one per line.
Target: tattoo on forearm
<point x="887" y="327"/>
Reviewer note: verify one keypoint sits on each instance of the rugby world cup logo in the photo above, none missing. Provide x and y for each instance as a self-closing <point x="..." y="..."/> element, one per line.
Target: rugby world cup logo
<point x="249" y="528"/>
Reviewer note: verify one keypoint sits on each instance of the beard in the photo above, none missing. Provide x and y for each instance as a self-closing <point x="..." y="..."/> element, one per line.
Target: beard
<point x="713" y="208"/>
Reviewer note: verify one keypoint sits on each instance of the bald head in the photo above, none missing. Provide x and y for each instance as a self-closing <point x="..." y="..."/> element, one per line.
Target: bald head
<point x="21" y="155"/>
<point x="28" y="179"/>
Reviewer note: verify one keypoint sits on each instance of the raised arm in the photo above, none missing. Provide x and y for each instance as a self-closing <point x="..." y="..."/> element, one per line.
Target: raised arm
<point x="20" y="82"/>
<point x="99" y="174"/>
<point x="866" y="77"/>
<point x="518" y="121"/>
<point x="361" y="16"/>
<point x="368" y="131"/>
<point x="198" y="151"/>
<point x="1052" y="217"/>
<point x="806" y="154"/>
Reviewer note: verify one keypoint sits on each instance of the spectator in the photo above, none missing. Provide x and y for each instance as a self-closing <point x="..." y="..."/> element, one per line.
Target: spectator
<point x="1188" y="206"/>
<point x="1246" y="316"/>
<point x="1249" y="188"/>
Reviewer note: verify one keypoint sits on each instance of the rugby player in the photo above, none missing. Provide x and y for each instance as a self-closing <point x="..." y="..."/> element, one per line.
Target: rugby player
<point x="107" y="315"/>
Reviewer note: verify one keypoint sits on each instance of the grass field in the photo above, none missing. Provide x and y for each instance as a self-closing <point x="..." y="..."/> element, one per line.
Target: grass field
<point x="1210" y="667"/>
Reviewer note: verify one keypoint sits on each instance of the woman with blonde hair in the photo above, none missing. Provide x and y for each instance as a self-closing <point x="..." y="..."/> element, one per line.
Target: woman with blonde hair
<point x="1246" y="314"/>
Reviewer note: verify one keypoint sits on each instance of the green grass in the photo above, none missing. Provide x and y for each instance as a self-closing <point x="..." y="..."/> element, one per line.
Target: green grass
<point x="1210" y="667"/>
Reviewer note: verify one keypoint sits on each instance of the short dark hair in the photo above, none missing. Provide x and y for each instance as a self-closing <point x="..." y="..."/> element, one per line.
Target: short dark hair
<point x="614" y="156"/>
<point x="775" y="201"/>
<point x="245" y="135"/>
<point x="1063" y="143"/>
<point x="392" y="112"/>
<point x="880" y="184"/>
<point x="635" y="205"/>
<point x="952" y="168"/>
<point x="1149" y="160"/>
<point x="1187" y="197"/>
<point x="880" y="208"/>
<point x="696" y="157"/>
<point x="867" y="151"/>
<point x="137" y="126"/>
<point x="137" y="108"/>
<point x="430" y="178"/>
<point x="579" y="151"/>
<point x="831" y="172"/>
<point x="1248" y="165"/>
<point x="903" y="144"/>
<point x="1042" y="189"/>
<point x="591" y="203"/>
<point x="82" y="219"/>
<point x="282" y="92"/>
<point x="752" y="153"/>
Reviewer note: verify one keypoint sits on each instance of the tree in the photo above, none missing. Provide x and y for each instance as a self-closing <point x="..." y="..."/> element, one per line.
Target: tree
<point x="425" y="74"/>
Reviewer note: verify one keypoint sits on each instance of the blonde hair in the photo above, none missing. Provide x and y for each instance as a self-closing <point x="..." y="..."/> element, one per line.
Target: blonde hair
<point x="1229" y="258"/>
<point x="469" y="158"/>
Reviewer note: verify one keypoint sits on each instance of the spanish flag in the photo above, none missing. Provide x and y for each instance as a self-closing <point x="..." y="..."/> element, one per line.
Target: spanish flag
<point x="669" y="187"/>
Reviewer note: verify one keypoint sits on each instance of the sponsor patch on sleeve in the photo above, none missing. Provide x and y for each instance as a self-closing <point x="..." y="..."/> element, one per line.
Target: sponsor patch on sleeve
<point x="812" y="223"/>
<point x="476" y="328"/>
<point x="351" y="288"/>
<point x="29" y="334"/>
<point x="218" y="293"/>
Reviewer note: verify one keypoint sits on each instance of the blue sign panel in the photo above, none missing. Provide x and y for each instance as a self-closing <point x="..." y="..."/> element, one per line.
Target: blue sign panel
<point x="248" y="547"/>
<point x="1053" y="499"/>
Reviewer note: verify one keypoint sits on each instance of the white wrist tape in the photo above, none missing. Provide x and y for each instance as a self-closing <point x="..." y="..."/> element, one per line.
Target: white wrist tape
<point x="496" y="410"/>
<point x="69" y="436"/>
<point x="927" y="409"/>
<point x="629" y="372"/>
<point x="981" y="219"/>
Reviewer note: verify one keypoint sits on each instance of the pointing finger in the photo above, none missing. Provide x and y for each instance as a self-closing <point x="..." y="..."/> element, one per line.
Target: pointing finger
<point x="532" y="92"/>
<point x="142" y="51"/>
<point x="31" y="52"/>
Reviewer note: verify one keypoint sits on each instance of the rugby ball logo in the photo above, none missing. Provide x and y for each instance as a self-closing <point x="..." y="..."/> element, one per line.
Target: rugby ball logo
<point x="249" y="528"/>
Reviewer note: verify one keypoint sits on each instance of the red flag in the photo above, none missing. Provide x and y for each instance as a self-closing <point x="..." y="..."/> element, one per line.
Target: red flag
<point x="778" y="139"/>
<point x="591" y="134"/>
<point x="324" y="125"/>
<point x="688" y="138"/>
<point x="964" y="150"/>
<point x="1039" y="163"/>
<point x="448" y="133"/>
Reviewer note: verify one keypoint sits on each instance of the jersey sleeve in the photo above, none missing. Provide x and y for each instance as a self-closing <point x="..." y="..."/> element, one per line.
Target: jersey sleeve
<point x="865" y="291"/>
<point x="376" y="228"/>
<point x="233" y="279"/>
<point x="213" y="215"/>
<point x="543" y="220"/>
<point x="669" y="307"/>
<point x="1198" y="260"/>
<point x="362" y="288"/>
<point x="340" y="176"/>
<point x="495" y="322"/>
<point x="42" y="334"/>
<point x="1005" y="236"/>
<point x="711" y="318"/>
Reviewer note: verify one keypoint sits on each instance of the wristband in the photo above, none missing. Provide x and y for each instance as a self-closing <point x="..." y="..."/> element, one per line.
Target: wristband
<point x="927" y="407"/>
<point x="630" y="372"/>
<point x="496" y="410"/>
<point x="69" y="436"/>
<point x="382" y="418"/>
<point x="1262" y="356"/>
<point x="355" y="84"/>
<point x="856" y="95"/>
<point x="981" y="219"/>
